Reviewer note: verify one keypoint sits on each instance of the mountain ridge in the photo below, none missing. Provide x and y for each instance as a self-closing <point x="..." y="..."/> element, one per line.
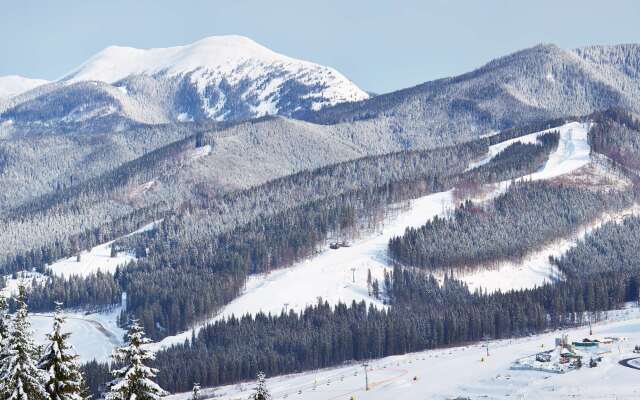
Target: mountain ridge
<point x="223" y="78"/>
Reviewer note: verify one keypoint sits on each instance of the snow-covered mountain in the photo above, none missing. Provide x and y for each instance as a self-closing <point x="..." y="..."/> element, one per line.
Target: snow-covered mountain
<point x="223" y="78"/>
<point x="13" y="85"/>
<point x="533" y="84"/>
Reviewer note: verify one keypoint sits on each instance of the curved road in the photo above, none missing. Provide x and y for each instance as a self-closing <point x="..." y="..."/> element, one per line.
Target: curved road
<point x="110" y="336"/>
<point x="626" y="362"/>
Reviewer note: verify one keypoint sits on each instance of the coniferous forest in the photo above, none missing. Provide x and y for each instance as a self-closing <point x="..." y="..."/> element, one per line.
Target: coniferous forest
<point x="198" y="259"/>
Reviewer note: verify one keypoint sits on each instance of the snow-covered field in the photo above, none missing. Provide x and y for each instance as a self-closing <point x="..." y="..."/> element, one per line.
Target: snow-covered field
<point x="96" y="259"/>
<point x="93" y="336"/>
<point x="466" y="371"/>
<point x="329" y="275"/>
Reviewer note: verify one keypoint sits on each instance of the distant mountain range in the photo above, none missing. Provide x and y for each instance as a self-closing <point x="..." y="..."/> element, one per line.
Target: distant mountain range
<point x="232" y="78"/>
<point x="13" y="85"/>
<point x="541" y="82"/>
<point x="225" y="78"/>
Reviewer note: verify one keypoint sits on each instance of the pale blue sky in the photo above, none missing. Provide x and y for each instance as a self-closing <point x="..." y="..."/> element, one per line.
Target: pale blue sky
<point x="380" y="45"/>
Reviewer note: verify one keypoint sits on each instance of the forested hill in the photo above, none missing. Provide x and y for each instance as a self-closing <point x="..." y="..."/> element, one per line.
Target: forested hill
<point x="538" y="83"/>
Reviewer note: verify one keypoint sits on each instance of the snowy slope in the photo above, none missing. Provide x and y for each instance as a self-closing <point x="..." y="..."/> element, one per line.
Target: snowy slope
<point x="97" y="258"/>
<point x="329" y="276"/>
<point x="93" y="336"/>
<point x="213" y="59"/>
<point x="467" y="372"/>
<point x="13" y="85"/>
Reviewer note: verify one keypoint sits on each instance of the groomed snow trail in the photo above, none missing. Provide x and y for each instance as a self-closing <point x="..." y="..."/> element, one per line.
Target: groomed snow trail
<point x="329" y="275"/>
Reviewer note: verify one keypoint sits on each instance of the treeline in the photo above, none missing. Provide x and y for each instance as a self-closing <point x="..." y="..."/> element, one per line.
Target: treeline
<point x="613" y="247"/>
<point x="99" y="290"/>
<point x="517" y="160"/>
<point x="423" y="315"/>
<point x="527" y="216"/>
<point x="616" y="134"/>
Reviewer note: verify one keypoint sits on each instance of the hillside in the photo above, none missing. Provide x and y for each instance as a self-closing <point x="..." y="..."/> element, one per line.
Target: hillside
<point x="541" y="82"/>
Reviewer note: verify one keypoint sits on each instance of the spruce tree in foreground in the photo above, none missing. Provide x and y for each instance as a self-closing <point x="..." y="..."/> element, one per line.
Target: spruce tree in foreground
<point x="261" y="391"/>
<point x="65" y="380"/>
<point x="5" y="319"/>
<point x="20" y="377"/>
<point x="134" y="381"/>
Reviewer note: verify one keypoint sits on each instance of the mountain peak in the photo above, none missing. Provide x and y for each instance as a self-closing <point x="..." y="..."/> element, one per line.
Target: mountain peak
<point x="223" y="78"/>
<point x="13" y="85"/>
<point x="217" y="53"/>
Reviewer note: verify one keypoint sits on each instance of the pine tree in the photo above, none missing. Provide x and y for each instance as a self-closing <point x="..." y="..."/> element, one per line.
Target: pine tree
<point x="20" y="378"/>
<point x="261" y="392"/>
<point x="5" y="319"/>
<point x="65" y="380"/>
<point x="134" y="381"/>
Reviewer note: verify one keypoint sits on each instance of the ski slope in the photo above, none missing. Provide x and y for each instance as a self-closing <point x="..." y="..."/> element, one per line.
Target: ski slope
<point x="329" y="275"/>
<point x="498" y="148"/>
<point x="467" y="372"/>
<point x="97" y="258"/>
<point x="535" y="266"/>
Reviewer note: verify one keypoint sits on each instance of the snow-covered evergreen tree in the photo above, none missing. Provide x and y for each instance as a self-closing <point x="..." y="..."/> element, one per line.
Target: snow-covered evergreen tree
<point x="20" y="377"/>
<point x="261" y="391"/>
<point x="134" y="381"/>
<point x="60" y="362"/>
<point x="195" y="394"/>
<point x="5" y="319"/>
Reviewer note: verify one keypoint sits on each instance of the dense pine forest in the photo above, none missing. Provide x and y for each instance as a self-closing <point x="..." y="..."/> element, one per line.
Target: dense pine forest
<point x="199" y="257"/>
<point x="526" y="217"/>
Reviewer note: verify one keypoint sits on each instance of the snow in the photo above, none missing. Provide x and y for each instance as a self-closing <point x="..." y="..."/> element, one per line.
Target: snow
<point x="94" y="336"/>
<point x="535" y="269"/>
<point x="13" y="85"/>
<point x="466" y="371"/>
<point x="328" y="275"/>
<point x="96" y="259"/>
<point x="208" y="61"/>
<point x="26" y="277"/>
<point x="573" y="152"/>
<point x="199" y="152"/>
<point x="498" y="148"/>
